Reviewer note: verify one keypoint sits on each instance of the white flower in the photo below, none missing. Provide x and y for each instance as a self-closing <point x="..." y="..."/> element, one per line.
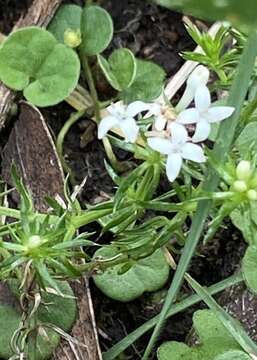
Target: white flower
<point x="177" y="148"/>
<point x="122" y="117"/>
<point x="162" y="114"/>
<point x="197" y="78"/>
<point x="204" y="114"/>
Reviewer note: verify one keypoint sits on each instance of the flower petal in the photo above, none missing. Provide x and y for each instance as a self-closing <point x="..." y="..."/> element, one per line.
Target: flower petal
<point x="189" y="116"/>
<point x="137" y="107"/>
<point x="164" y="146"/>
<point x="179" y="133"/>
<point x="106" y="124"/>
<point x="117" y="109"/>
<point x="130" y="129"/>
<point x="219" y="113"/>
<point x="173" y="166"/>
<point x="160" y="122"/>
<point x="202" y="131"/>
<point x="154" y="109"/>
<point x="193" y="152"/>
<point x="198" y="77"/>
<point x="202" y="98"/>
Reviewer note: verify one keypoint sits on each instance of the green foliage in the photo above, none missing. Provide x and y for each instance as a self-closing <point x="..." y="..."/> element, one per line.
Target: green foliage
<point x="54" y="310"/>
<point x="68" y="17"/>
<point x="215" y="340"/>
<point x="32" y="60"/>
<point x="120" y="69"/>
<point x="148" y="274"/>
<point x="96" y="30"/>
<point x="235" y="11"/>
<point x="148" y="83"/>
<point x="213" y="54"/>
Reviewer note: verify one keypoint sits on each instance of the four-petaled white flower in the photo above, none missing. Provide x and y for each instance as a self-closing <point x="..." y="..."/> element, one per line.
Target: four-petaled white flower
<point x="177" y="147"/>
<point x="203" y="114"/>
<point x="122" y="117"/>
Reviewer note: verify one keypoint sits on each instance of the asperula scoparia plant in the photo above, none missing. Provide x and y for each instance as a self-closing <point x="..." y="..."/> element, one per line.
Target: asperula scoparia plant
<point x="208" y="172"/>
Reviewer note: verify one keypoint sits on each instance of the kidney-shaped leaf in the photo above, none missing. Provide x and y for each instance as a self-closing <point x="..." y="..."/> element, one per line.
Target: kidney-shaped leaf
<point x="148" y="83"/>
<point x="32" y="60"/>
<point x="68" y="17"/>
<point x="148" y="274"/>
<point x="235" y="11"/>
<point x="96" y="30"/>
<point x="247" y="140"/>
<point x="120" y="69"/>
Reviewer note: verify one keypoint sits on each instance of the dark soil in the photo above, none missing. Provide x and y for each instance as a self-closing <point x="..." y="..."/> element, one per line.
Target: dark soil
<point x="158" y="34"/>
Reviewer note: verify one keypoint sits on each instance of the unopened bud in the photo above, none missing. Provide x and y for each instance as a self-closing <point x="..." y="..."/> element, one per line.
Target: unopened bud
<point x="252" y="195"/>
<point x="72" y="38"/>
<point x="240" y="186"/>
<point x="243" y="170"/>
<point x="34" y="241"/>
<point x="198" y="77"/>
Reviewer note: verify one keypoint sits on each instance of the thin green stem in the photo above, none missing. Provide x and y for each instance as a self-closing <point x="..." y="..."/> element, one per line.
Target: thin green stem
<point x="222" y="146"/>
<point x="64" y="130"/>
<point x="91" y="85"/>
<point x="121" y="346"/>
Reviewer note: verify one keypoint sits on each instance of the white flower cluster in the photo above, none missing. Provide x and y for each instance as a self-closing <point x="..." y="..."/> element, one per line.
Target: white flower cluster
<point x="169" y="135"/>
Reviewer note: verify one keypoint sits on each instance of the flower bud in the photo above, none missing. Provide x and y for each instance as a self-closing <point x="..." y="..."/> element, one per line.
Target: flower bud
<point x="72" y="38"/>
<point x="243" y="170"/>
<point x="199" y="77"/>
<point x="252" y="195"/>
<point x="34" y="241"/>
<point x="240" y="186"/>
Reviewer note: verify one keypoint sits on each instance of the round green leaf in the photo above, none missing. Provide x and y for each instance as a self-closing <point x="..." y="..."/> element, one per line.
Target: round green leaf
<point x="148" y="83"/>
<point x="148" y="274"/>
<point x="120" y="69"/>
<point x="233" y="355"/>
<point x="249" y="267"/>
<point x="68" y="17"/>
<point x="96" y="30"/>
<point x="177" y="351"/>
<point x="58" y="311"/>
<point x="31" y="60"/>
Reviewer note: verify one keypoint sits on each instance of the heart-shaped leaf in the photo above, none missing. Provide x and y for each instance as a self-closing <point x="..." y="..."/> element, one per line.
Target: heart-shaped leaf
<point x="249" y="267"/>
<point x="96" y="30"/>
<point x="148" y="274"/>
<point x="32" y="60"/>
<point x="233" y="355"/>
<point x="120" y="69"/>
<point x="68" y="17"/>
<point x="148" y="83"/>
<point x="58" y="311"/>
<point x="235" y="11"/>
